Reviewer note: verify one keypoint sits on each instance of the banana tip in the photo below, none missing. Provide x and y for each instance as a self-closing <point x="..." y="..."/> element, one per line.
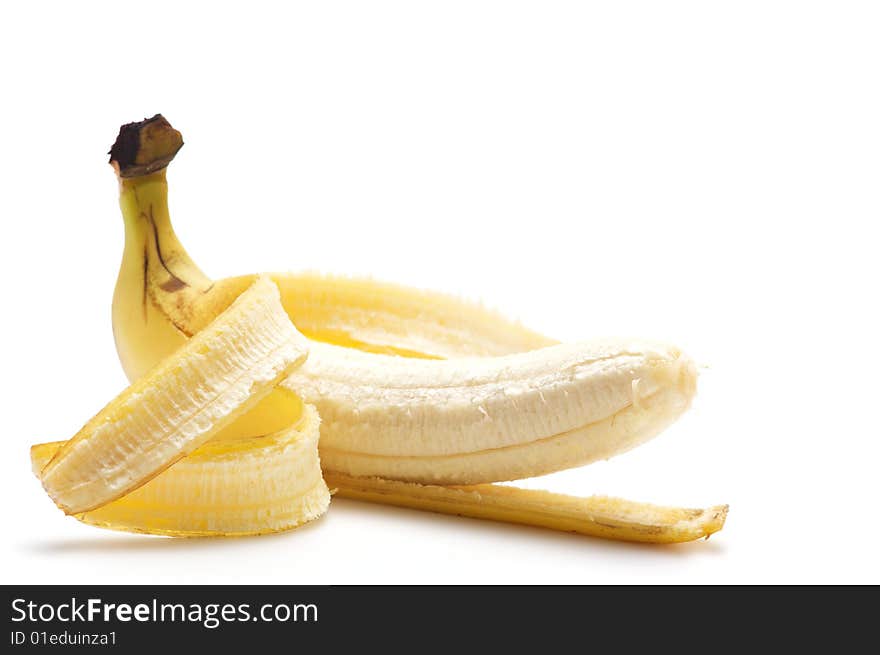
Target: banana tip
<point x="715" y="518"/>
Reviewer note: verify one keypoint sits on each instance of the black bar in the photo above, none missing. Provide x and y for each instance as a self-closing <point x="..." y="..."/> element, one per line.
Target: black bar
<point x="170" y="619"/>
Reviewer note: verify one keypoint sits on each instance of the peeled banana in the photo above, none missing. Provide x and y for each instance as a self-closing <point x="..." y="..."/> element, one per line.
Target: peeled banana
<point x="422" y="398"/>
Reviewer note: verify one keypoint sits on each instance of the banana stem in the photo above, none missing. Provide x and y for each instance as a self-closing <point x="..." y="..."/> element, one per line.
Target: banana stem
<point x="144" y="147"/>
<point x="595" y="516"/>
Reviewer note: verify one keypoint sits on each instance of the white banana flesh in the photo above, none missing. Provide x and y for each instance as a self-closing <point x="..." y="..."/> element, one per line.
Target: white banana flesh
<point x="473" y="420"/>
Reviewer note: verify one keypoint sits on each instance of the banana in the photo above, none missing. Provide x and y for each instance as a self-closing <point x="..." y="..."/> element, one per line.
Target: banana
<point x="451" y="421"/>
<point x="227" y="487"/>
<point x="188" y="398"/>
<point x="412" y="386"/>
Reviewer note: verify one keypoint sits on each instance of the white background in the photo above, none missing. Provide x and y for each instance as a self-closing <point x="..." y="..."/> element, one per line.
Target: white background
<point x="705" y="173"/>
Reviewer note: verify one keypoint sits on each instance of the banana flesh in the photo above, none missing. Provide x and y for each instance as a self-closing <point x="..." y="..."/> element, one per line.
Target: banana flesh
<point x="472" y="420"/>
<point x="229" y="487"/>
<point x="187" y="399"/>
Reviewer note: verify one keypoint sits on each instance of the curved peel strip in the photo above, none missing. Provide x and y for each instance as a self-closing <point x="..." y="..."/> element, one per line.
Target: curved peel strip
<point x="596" y="516"/>
<point x="361" y="313"/>
<point x="189" y="397"/>
<point x="233" y="487"/>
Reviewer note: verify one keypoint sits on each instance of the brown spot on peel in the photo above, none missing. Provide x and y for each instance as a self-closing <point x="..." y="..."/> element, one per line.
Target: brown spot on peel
<point x="172" y="285"/>
<point x="145" y="273"/>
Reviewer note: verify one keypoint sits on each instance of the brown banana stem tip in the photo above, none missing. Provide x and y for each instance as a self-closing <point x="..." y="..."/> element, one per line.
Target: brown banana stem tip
<point x="145" y="147"/>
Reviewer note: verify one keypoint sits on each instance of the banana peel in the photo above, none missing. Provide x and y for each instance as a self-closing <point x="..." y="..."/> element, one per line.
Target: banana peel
<point x="594" y="516"/>
<point x="154" y="460"/>
<point x="225" y="488"/>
